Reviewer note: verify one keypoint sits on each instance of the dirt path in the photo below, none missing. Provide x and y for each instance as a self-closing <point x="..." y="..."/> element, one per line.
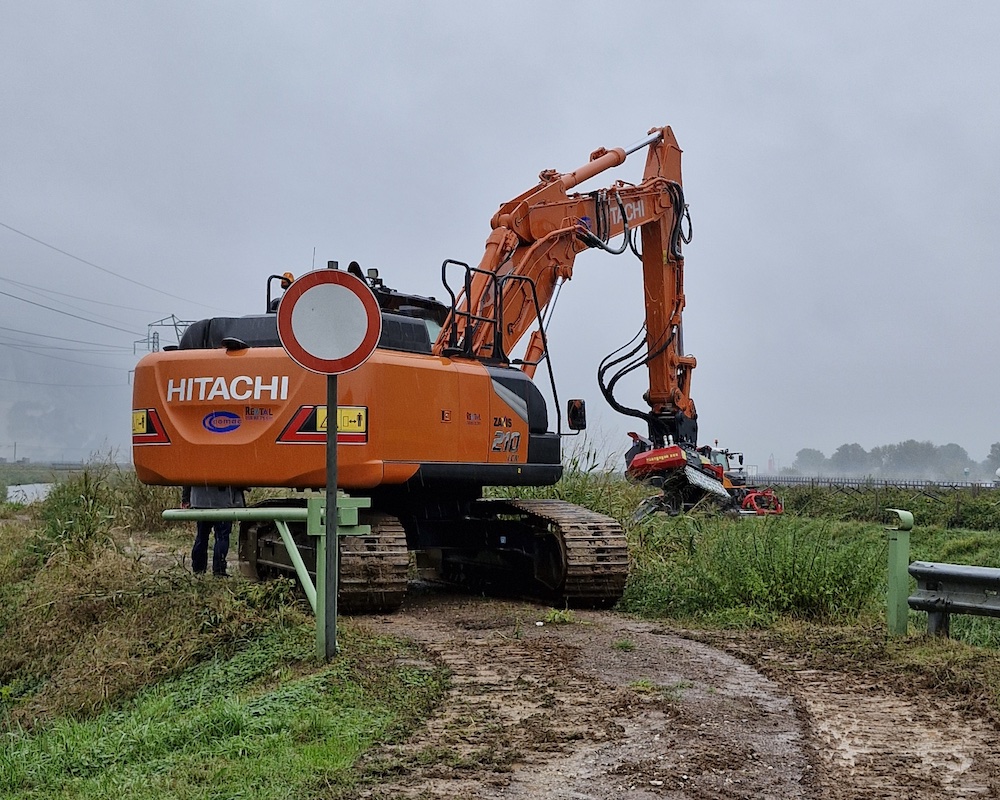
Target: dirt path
<point x="610" y="707"/>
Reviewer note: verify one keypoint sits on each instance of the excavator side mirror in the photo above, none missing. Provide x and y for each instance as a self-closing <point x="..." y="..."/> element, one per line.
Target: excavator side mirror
<point x="576" y="415"/>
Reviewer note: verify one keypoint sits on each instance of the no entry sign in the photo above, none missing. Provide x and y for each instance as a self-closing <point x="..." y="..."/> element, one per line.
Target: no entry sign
<point x="329" y="322"/>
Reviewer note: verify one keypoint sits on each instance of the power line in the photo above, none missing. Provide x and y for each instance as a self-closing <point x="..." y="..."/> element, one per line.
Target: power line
<point x="67" y="385"/>
<point x="110" y="350"/>
<point x="45" y="291"/>
<point x="58" y="338"/>
<point x="58" y="358"/>
<point x="98" y="267"/>
<point x="91" y="314"/>
<point x="66" y="313"/>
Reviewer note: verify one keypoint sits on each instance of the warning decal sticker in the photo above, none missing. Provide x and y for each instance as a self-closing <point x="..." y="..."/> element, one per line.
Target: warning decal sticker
<point x="309" y="426"/>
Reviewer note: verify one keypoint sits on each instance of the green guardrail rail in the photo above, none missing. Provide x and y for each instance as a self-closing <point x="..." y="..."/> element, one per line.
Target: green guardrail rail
<point x="314" y="515"/>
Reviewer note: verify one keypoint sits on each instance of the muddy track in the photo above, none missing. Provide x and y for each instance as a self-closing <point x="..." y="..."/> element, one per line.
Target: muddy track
<point x="611" y="707"/>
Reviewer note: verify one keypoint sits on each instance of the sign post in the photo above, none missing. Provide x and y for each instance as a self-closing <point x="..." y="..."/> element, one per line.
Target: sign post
<point x="326" y="620"/>
<point x="329" y="322"/>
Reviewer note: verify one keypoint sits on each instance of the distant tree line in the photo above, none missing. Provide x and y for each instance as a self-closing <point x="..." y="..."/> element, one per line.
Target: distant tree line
<point x="909" y="460"/>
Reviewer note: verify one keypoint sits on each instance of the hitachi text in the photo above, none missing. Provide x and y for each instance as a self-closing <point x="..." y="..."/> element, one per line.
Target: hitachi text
<point x="242" y="387"/>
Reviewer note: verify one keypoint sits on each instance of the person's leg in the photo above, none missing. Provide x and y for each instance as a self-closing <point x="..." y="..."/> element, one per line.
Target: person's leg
<point x="199" y="553"/>
<point x="222" y="532"/>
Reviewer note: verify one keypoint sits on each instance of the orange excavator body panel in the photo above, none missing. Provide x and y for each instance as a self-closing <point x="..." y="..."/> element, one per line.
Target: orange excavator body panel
<point x="253" y="417"/>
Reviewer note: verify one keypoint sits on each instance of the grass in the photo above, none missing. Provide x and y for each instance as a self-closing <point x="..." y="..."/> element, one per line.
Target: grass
<point x="706" y="569"/>
<point x="671" y="692"/>
<point x="748" y="572"/>
<point x="123" y="681"/>
<point x="266" y="722"/>
<point x="120" y="680"/>
<point x="560" y="616"/>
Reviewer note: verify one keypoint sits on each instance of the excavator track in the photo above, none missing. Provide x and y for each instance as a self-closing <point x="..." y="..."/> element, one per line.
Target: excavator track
<point x="593" y="546"/>
<point x="373" y="567"/>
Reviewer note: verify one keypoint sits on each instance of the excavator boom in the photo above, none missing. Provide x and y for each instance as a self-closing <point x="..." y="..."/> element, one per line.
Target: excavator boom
<point x="531" y="250"/>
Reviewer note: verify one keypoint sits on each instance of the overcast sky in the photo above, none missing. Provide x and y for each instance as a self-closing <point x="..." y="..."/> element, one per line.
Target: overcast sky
<point x="841" y="164"/>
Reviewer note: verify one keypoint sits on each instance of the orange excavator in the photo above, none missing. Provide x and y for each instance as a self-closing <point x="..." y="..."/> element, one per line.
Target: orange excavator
<point x="446" y="406"/>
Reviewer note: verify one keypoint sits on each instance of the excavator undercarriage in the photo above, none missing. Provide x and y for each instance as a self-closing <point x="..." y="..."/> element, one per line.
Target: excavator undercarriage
<point x="545" y="549"/>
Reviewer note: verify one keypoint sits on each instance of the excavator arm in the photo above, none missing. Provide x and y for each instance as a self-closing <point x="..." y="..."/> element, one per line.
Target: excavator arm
<point x="531" y="250"/>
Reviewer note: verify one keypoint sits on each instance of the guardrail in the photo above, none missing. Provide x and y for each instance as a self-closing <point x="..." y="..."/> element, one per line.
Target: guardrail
<point x="314" y="515"/>
<point x="870" y="483"/>
<point x="946" y="589"/>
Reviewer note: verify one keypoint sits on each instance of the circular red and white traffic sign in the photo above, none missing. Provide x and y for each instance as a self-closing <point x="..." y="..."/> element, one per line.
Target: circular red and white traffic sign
<point x="329" y="321"/>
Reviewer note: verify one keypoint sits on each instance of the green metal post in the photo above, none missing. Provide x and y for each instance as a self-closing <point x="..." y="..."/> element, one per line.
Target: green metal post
<point x="315" y="527"/>
<point x="897" y="610"/>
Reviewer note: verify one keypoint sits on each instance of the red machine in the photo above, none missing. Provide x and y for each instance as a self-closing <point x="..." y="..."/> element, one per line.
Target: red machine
<point x="687" y="476"/>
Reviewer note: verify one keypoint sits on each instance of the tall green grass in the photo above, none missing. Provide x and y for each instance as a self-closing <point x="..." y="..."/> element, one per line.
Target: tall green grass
<point x="588" y="480"/>
<point x="751" y="571"/>
<point x="728" y="570"/>
<point x="971" y="508"/>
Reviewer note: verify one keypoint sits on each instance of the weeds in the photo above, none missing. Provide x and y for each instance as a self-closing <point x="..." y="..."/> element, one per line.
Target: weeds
<point x="748" y="572"/>
<point x="120" y="680"/>
<point x="671" y="692"/>
<point x="644" y="686"/>
<point x="738" y="572"/>
<point x="556" y="616"/>
<point x="77" y="516"/>
<point x="88" y="636"/>
<point x="82" y="514"/>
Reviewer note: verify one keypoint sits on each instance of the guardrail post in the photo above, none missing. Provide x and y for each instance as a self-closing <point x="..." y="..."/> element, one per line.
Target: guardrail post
<point x="939" y="623"/>
<point x="897" y="610"/>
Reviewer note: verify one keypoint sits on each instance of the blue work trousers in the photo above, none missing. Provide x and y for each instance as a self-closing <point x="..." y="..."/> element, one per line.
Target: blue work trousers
<point x="199" y="553"/>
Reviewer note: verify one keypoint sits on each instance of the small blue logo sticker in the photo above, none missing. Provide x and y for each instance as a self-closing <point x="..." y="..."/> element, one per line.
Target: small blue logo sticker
<point x="221" y="422"/>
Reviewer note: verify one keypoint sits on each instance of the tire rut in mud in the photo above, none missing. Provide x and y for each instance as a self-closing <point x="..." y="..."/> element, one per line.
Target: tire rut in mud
<point x="610" y="707"/>
<point x="873" y="742"/>
<point x="604" y="707"/>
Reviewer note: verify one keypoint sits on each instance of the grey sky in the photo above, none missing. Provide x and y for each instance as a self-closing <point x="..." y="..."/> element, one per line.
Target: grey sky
<point x="840" y="164"/>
